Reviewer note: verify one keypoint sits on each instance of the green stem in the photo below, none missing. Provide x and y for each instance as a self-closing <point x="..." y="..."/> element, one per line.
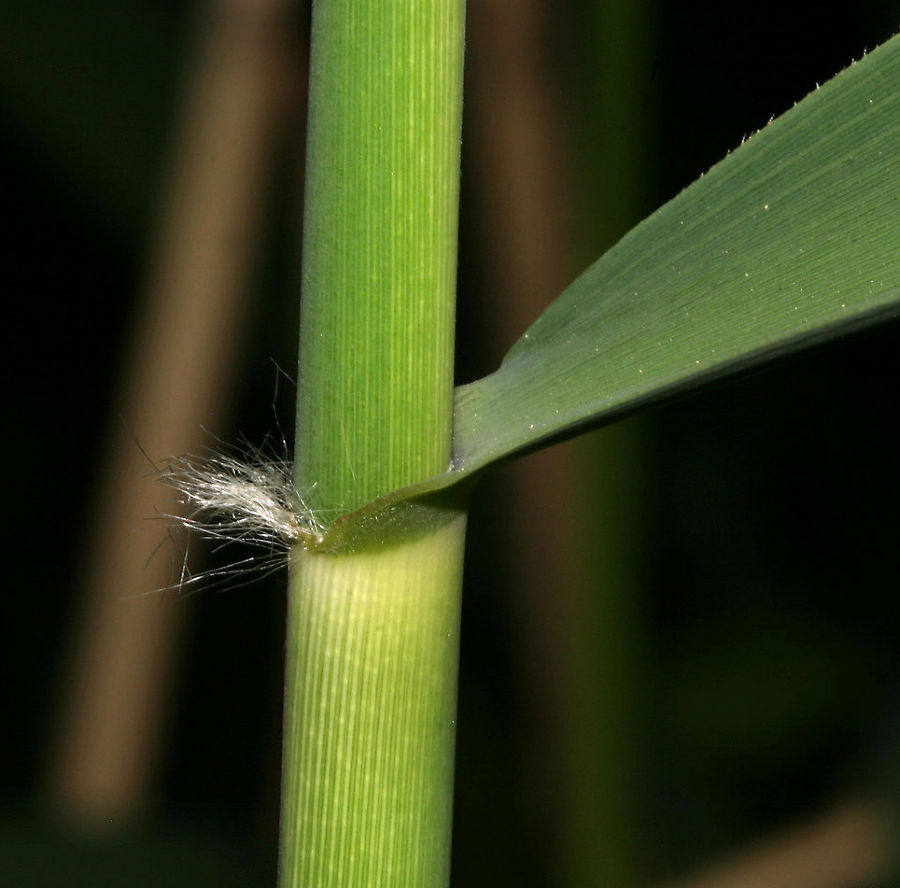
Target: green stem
<point x="373" y="634"/>
<point x="374" y="404"/>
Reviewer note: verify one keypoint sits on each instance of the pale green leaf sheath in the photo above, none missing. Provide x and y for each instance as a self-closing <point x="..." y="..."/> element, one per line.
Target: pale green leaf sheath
<point x="374" y="642"/>
<point x="373" y="630"/>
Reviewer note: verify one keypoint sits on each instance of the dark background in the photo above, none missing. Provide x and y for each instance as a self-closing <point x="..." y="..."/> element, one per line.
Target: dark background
<point x="764" y="675"/>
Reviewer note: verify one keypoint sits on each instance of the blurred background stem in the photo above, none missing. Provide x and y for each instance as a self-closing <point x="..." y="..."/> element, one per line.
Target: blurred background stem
<point x="851" y="844"/>
<point x="573" y="532"/>
<point x="182" y="361"/>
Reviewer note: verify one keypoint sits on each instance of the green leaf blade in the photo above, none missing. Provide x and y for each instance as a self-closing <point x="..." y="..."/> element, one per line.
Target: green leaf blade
<point x="791" y="240"/>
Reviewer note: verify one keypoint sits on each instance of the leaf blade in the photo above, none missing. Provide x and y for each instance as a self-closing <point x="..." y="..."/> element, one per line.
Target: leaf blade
<point x="789" y="241"/>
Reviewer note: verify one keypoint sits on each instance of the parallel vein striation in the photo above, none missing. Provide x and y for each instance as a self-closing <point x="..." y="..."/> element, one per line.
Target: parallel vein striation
<point x="379" y="266"/>
<point x="369" y="755"/>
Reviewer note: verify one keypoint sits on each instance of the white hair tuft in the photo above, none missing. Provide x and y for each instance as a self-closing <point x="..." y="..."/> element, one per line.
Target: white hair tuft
<point x="249" y="500"/>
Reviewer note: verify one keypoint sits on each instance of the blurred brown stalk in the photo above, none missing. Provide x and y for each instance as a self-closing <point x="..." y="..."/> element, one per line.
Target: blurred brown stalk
<point x="177" y="381"/>
<point x="847" y="846"/>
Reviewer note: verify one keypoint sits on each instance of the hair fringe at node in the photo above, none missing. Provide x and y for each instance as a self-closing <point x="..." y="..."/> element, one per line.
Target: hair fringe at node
<point x="249" y="500"/>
